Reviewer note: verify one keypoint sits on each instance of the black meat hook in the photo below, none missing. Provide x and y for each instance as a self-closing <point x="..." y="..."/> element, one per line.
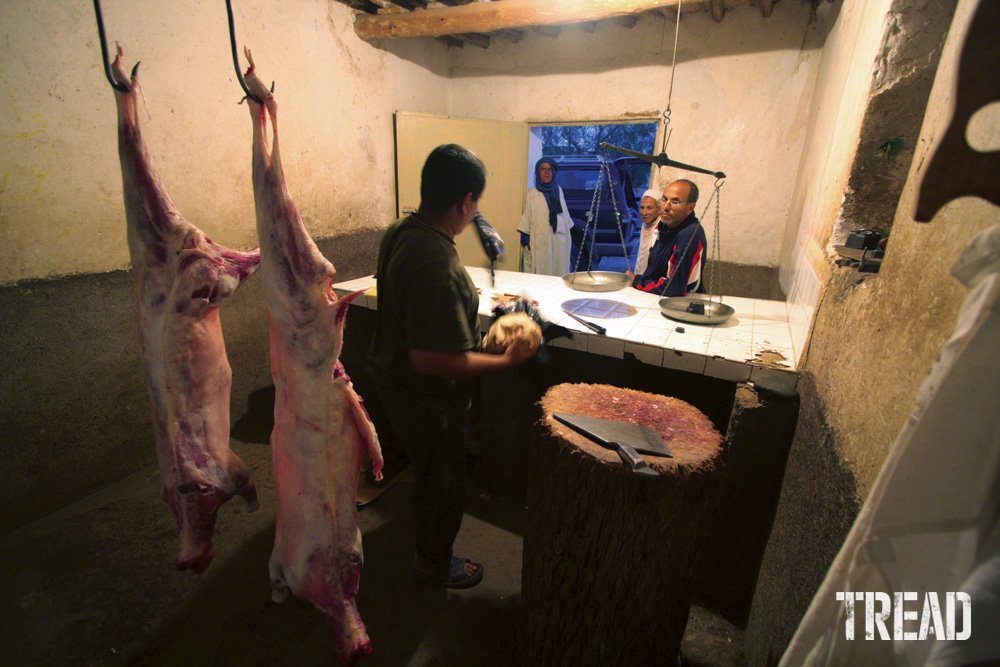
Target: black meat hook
<point x="104" y="51"/>
<point x="236" y="56"/>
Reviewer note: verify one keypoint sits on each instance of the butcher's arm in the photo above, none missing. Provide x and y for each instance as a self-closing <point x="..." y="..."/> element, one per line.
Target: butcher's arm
<point x="458" y="365"/>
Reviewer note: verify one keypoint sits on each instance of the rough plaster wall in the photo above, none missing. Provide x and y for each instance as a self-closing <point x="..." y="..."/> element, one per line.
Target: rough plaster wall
<point x="853" y="32"/>
<point x="902" y="75"/>
<point x="740" y="104"/>
<point x="903" y="314"/>
<point x="61" y="206"/>
<point x="873" y="342"/>
<point x="818" y="503"/>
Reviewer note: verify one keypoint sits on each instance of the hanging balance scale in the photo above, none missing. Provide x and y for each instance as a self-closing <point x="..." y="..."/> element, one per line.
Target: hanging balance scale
<point x="707" y="309"/>
<point x="599" y="281"/>
<point x="693" y="309"/>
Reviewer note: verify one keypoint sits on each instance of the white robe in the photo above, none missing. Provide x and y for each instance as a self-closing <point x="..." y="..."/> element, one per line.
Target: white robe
<point x="549" y="252"/>
<point x="647" y="239"/>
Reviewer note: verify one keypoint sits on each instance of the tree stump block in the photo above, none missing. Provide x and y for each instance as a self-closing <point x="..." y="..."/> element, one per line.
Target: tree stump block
<point x="608" y="554"/>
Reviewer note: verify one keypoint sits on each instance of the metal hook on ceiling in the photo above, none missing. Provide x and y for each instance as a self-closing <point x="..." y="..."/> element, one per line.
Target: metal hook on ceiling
<point x="236" y="57"/>
<point x="104" y="51"/>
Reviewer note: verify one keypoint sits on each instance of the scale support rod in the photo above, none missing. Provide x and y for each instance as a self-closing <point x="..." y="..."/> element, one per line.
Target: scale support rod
<point x="661" y="160"/>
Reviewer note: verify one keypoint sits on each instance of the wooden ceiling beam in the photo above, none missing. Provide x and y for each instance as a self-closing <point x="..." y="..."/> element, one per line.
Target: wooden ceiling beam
<point x="485" y="17"/>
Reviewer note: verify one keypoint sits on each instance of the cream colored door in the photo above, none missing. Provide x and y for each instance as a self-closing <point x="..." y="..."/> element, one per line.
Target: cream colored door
<point x="502" y="146"/>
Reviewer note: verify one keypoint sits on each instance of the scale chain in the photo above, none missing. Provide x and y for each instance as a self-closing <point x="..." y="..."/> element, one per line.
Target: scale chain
<point x="595" y="204"/>
<point x="618" y="215"/>
<point x="716" y="253"/>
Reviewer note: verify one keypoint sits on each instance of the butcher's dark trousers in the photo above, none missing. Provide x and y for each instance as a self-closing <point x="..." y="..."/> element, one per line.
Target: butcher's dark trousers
<point x="435" y="442"/>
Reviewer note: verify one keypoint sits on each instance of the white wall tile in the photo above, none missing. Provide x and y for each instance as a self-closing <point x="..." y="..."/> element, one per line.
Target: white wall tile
<point x="647" y="354"/>
<point x="577" y="342"/>
<point x="649" y="335"/>
<point x="725" y="369"/>
<point x="605" y="346"/>
<point x="684" y="361"/>
<point x="686" y="342"/>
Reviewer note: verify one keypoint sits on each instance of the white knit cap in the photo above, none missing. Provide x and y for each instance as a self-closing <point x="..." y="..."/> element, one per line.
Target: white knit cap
<point x="655" y="194"/>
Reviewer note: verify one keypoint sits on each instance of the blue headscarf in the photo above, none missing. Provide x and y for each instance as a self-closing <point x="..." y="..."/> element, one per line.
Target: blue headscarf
<point x="550" y="190"/>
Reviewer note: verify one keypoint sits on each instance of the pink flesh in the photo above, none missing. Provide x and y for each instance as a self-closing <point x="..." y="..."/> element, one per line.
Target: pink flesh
<point x="181" y="278"/>
<point x="321" y="431"/>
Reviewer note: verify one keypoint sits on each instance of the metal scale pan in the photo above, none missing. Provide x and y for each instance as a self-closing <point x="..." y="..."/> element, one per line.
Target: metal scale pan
<point x="695" y="310"/>
<point x="596" y="281"/>
<point x="599" y="281"/>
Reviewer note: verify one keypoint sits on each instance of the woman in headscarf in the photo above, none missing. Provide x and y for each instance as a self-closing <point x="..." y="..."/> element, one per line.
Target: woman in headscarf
<point x="545" y="224"/>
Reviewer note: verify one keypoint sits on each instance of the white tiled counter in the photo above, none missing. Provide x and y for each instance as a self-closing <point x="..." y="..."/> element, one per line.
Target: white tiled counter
<point x="754" y="344"/>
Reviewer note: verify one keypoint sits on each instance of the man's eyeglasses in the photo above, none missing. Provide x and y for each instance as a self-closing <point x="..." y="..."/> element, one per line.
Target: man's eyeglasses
<point x="672" y="202"/>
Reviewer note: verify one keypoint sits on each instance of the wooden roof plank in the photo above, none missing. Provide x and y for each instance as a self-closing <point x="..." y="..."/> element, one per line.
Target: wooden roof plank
<point x="485" y="17"/>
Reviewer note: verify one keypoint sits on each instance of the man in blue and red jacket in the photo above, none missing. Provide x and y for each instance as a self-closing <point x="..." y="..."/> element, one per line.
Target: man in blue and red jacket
<point x="677" y="258"/>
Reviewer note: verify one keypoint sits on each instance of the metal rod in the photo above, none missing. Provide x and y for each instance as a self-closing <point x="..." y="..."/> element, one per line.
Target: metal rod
<point x="662" y="160"/>
<point x="104" y="51"/>
<point x="236" y="56"/>
<point x="670" y="93"/>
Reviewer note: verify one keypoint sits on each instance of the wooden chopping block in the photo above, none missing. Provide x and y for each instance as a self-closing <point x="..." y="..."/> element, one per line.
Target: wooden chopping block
<point x="607" y="553"/>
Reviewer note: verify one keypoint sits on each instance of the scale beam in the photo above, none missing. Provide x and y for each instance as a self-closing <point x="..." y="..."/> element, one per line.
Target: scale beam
<point x="662" y="160"/>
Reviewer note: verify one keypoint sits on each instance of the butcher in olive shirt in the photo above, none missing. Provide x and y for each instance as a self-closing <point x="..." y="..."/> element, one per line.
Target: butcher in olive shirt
<point x="425" y="350"/>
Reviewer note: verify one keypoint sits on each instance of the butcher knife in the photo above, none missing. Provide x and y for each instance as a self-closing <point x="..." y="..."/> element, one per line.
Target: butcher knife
<point x="625" y="438"/>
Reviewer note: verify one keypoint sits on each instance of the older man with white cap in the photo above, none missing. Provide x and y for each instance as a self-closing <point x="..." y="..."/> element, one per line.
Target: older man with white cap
<point x="649" y="209"/>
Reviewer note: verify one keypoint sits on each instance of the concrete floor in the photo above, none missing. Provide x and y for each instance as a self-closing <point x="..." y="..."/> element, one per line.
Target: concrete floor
<point x="95" y="584"/>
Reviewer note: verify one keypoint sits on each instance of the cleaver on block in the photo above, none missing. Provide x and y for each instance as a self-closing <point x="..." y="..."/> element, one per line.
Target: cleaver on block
<point x="625" y="438"/>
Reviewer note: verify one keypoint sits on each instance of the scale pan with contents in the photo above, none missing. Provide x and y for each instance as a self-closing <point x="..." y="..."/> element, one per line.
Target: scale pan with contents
<point x="695" y="310"/>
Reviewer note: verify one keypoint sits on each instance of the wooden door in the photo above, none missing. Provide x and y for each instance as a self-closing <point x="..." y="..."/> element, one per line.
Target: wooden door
<point x="502" y="146"/>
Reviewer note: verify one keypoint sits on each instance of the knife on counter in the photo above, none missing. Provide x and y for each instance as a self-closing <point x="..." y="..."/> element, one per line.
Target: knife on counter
<point x="596" y="328"/>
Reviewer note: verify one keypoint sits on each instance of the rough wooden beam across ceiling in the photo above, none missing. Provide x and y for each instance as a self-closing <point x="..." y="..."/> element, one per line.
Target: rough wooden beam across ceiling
<point x="487" y="17"/>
